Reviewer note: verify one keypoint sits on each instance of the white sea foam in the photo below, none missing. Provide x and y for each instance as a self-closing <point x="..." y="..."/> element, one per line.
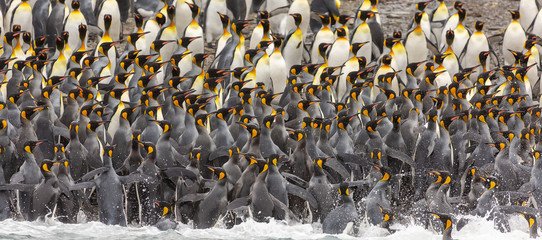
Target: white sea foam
<point x="477" y="228"/>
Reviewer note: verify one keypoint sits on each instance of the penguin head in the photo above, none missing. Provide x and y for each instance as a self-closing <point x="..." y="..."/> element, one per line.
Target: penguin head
<point x="92" y="125"/>
<point x="171" y="12"/>
<point x="312" y="90"/>
<point x="413" y="67"/>
<point x="500" y="145"/>
<point x="200" y="57"/>
<point x="30" y="145"/>
<point x="340" y="32"/>
<point x="107" y="21"/>
<point x="166" y="208"/>
<point x="224" y="19"/>
<point x="59" y="148"/>
<point x="482" y="57"/>
<point x="343" y="19"/>
<point x="297" y="18"/>
<point x="479" y="26"/>
<point x="458" y="5"/>
<point x="445" y="219"/>
<point x="153" y="111"/>
<point x="76" y="4"/>
<point x="192" y="109"/>
<point x="82" y="30"/>
<point x="517" y="55"/>
<point x="491" y="182"/>
<point x="305" y="104"/>
<point x="104" y="47"/>
<point x="525" y="134"/>
<point x="387" y="214"/>
<point x="320" y="161"/>
<point x="185" y="41"/>
<point x="364" y="15"/>
<point x="326" y="20"/>
<point x="239" y="25"/>
<point x="16" y="28"/>
<point x="268" y="121"/>
<point x="28" y="112"/>
<point x="268" y="98"/>
<point x="201" y="119"/>
<point x="117" y="93"/>
<point x="344" y="189"/>
<point x="46" y="166"/>
<point x="10" y="36"/>
<point x="386" y="60"/>
<point x="385" y="171"/>
<point x="160" y="19"/>
<point x="274" y="159"/>
<point x="164" y="124"/>
<point x="439" y="58"/>
<point x="322" y="48"/>
<point x="149" y="147"/>
<point x="355" y="47"/>
<point x="219" y="172"/>
<point x="3" y="124"/>
<point x="108" y="150"/>
<point x="376" y="155"/>
<point x="297" y="135"/>
<point x="194" y="9"/>
<point x="263" y="15"/>
<point x="515" y="14"/>
<point x="372" y="125"/>
<point x="536" y="155"/>
<point x="432" y="116"/>
<point x="27" y="38"/>
<point x="65" y="36"/>
<point x="421" y="5"/>
<point x="450" y="35"/>
<point x="122" y="77"/>
<point x="306" y="122"/>
<point x="418" y="17"/>
<point x="223" y="113"/>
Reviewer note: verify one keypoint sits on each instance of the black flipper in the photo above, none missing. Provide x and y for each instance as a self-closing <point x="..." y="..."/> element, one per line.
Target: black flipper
<point x="239" y="202"/>
<point x="195" y="197"/>
<point x="297" y="180"/>
<point x="93" y="173"/>
<point x="179" y="172"/>
<point x="18" y="186"/>
<point x="82" y="185"/>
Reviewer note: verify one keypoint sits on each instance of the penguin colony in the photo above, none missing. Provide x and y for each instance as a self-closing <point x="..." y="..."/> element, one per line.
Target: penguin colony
<point x="308" y="117"/>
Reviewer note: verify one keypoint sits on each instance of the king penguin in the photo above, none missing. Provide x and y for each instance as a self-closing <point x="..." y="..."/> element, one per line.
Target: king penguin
<point x="416" y="42"/>
<point x="514" y="38"/>
<point x="293" y="45"/>
<point x="343" y="215"/>
<point x="110" y="7"/>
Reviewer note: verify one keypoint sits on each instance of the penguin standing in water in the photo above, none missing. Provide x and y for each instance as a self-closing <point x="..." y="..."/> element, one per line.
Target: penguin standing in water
<point x="45" y="196"/>
<point x="109" y="190"/>
<point x="343" y="216"/>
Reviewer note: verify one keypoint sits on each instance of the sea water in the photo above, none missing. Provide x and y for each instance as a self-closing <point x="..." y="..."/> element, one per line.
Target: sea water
<point x="477" y="228"/>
